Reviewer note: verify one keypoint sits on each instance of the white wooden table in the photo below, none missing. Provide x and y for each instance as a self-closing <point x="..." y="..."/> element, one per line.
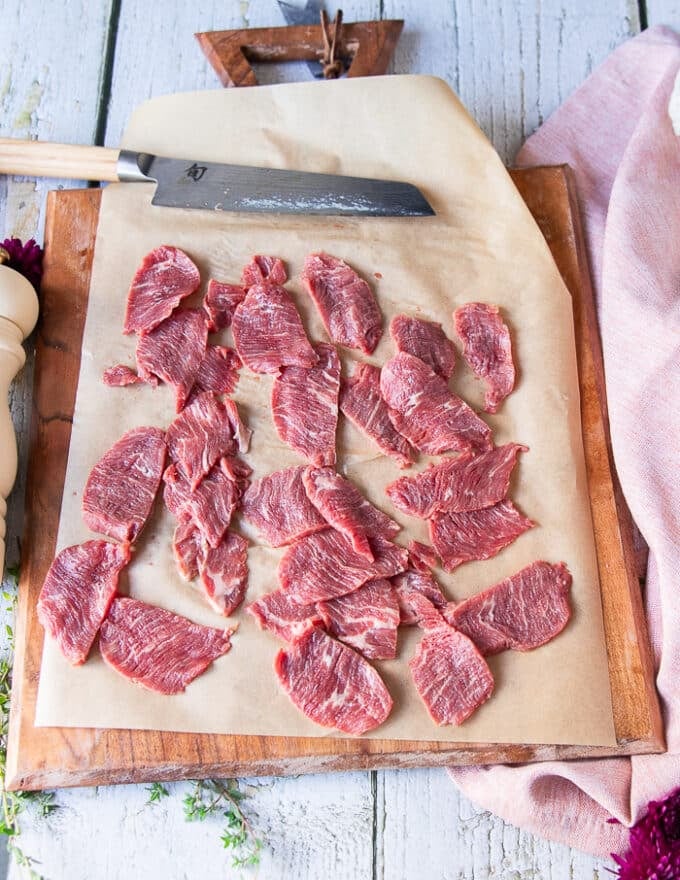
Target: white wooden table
<point x="73" y="71"/>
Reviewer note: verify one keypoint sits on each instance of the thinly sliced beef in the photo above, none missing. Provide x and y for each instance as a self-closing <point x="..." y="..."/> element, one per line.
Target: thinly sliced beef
<point x="77" y="592"/>
<point x="156" y="648"/>
<point x="165" y="277"/>
<point x="200" y="435"/>
<point x="218" y="371"/>
<point x="366" y="619"/>
<point x="425" y="340"/>
<point x="324" y="565"/>
<point x="121" y="375"/>
<point x="188" y="547"/>
<point x="262" y="268"/>
<point x="210" y="506"/>
<point x="426" y="412"/>
<point x="278" y="506"/>
<point x="409" y="582"/>
<point x="520" y="613"/>
<point x="450" y="675"/>
<point x="305" y="406"/>
<point x="344" y="507"/>
<point x="421" y="556"/>
<point x="268" y="332"/>
<point x="277" y="613"/>
<point x="220" y="303"/>
<point x="241" y="432"/>
<point x="476" y="534"/>
<point x="238" y="471"/>
<point x="173" y="351"/>
<point x="457" y="484"/>
<point x="224" y="573"/>
<point x="332" y="684"/>
<point x="121" y="487"/>
<point x="345" y="302"/>
<point x="362" y="403"/>
<point x="487" y="349"/>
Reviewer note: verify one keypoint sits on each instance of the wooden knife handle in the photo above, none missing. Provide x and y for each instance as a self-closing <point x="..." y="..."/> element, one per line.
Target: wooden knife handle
<point x="38" y="159"/>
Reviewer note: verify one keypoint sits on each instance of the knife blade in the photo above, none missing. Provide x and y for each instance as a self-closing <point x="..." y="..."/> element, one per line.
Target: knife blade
<point x="296" y="14"/>
<point x="192" y="183"/>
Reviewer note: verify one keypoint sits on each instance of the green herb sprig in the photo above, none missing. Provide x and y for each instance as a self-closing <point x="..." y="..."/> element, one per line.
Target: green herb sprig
<point x="213" y="796"/>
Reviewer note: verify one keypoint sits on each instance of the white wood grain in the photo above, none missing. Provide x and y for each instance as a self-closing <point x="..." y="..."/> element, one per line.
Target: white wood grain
<point x="663" y="12"/>
<point x="512" y="63"/>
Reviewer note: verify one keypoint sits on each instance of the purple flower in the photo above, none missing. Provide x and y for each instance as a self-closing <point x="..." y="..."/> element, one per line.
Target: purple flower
<point x="654" y="844"/>
<point x="25" y="258"/>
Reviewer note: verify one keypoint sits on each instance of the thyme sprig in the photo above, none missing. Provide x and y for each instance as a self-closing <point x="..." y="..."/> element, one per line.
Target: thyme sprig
<point x="213" y="796"/>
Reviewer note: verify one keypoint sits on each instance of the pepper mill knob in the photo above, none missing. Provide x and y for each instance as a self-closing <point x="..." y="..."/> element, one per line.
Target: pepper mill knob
<point x="18" y="315"/>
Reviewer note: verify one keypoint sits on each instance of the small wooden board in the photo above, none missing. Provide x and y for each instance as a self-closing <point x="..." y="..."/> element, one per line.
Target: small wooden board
<point x="54" y="757"/>
<point x="367" y="47"/>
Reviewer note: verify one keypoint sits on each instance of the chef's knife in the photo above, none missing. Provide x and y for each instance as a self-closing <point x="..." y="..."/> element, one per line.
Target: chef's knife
<point x="192" y="183"/>
<point x="303" y="13"/>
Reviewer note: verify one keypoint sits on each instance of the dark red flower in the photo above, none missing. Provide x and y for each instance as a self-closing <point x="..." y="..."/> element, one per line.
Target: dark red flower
<point x="25" y="258"/>
<point x="654" y="844"/>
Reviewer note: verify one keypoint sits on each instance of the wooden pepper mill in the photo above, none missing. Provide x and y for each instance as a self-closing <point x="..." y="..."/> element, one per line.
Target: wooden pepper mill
<point x="18" y="315"/>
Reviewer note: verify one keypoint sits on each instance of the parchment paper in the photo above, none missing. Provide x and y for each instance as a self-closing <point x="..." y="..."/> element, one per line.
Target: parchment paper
<point x="482" y="245"/>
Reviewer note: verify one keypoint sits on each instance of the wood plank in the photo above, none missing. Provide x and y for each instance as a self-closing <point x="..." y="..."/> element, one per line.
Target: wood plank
<point x="311" y="830"/>
<point x="459" y="838"/>
<point x="512" y="64"/>
<point x="45" y="757"/>
<point x="663" y="12"/>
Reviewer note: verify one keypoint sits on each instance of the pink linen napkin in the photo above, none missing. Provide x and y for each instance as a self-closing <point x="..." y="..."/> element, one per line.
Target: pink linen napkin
<point x="616" y="134"/>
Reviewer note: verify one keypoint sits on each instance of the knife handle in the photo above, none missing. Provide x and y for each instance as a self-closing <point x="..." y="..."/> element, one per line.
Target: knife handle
<point x="39" y="159"/>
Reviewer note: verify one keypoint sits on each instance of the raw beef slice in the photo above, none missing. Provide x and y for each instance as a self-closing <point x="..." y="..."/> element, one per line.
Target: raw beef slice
<point x="268" y="332"/>
<point x="457" y="484"/>
<point x="421" y="556"/>
<point x="200" y="435"/>
<point x="487" y="349"/>
<point x="188" y="547"/>
<point x="426" y="412"/>
<point x="345" y="302"/>
<point x="305" y="406"/>
<point x="277" y="613"/>
<point x="425" y="340"/>
<point x="173" y="352"/>
<point x="450" y="675"/>
<point x="262" y="268"/>
<point x="156" y="648"/>
<point x="332" y="684"/>
<point x="220" y="303"/>
<point x="366" y="619"/>
<point x="121" y="375"/>
<point x="476" y="534"/>
<point x="324" y="565"/>
<point x="362" y="403"/>
<point x="278" y="506"/>
<point x="210" y="506"/>
<point x="121" y="487"/>
<point x="520" y="613"/>
<point x="224" y="573"/>
<point x="344" y="507"/>
<point x="77" y="592"/>
<point x="218" y="371"/>
<point x="412" y="582"/>
<point x="165" y="277"/>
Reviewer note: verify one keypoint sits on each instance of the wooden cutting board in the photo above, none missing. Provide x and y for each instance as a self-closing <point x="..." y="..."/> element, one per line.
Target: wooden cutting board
<point x="54" y="757"/>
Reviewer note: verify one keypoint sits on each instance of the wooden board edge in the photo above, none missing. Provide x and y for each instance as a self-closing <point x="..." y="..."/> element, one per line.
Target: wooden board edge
<point x="637" y="714"/>
<point x="40" y="778"/>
